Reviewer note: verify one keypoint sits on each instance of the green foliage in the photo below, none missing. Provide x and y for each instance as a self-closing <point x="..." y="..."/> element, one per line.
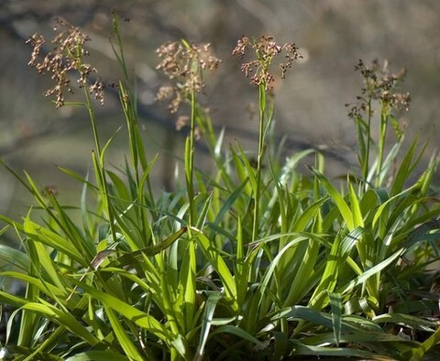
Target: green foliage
<point x="253" y="261"/>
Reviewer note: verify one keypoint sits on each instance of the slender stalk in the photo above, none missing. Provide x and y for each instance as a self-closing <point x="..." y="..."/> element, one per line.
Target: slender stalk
<point x="137" y="150"/>
<point x="120" y="55"/>
<point x="92" y="120"/>
<point x="262" y="109"/>
<point x="129" y="106"/>
<point x="190" y="297"/>
<point x="101" y="166"/>
<point x="190" y="160"/>
<point x="382" y="139"/>
<point x="366" y="165"/>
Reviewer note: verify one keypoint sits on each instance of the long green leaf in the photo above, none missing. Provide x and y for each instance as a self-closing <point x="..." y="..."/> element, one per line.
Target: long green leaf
<point x="404" y="170"/>
<point x="64" y="319"/>
<point x="217" y="261"/>
<point x="123" y="337"/>
<point x="238" y="332"/>
<point x="51" y="239"/>
<point x="307" y="215"/>
<point x="14" y="257"/>
<point x="372" y="271"/>
<point x="45" y="287"/>
<point x="336" y="306"/>
<point x="355" y="207"/>
<point x="336" y="353"/>
<point x="140" y="318"/>
<point x="98" y="356"/>
<point x="344" y="209"/>
<point x="187" y="284"/>
<point x="150" y="251"/>
<point x="407" y="320"/>
<point x="211" y="304"/>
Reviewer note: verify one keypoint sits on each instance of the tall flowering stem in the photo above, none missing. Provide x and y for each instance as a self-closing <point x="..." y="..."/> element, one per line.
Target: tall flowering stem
<point x="379" y="85"/>
<point x="66" y="58"/>
<point x="259" y="72"/>
<point x="184" y="64"/>
<point x="62" y="62"/>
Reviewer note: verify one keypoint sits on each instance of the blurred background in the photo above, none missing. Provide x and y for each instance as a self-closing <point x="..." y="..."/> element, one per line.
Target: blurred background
<point x="331" y="34"/>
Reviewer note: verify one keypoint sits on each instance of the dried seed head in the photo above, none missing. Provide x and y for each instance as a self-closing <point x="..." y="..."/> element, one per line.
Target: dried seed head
<point x="184" y="64"/>
<point x="379" y="84"/>
<point x="66" y="56"/>
<point x="266" y="49"/>
<point x="242" y="44"/>
<point x="164" y="92"/>
<point x="182" y="121"/>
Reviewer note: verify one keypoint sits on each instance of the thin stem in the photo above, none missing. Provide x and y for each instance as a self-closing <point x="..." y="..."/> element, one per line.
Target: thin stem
<point x="100" y="160"/>
<point x="190" y="159"/>
<point x="128" y="101"/>
<point x="92" y="120"/>
<point x="120" y="56"/>
<point x="367" y="149"/>
<point x="382" y="139"/>
<point x="262" y="109"/>
<point x="190" y="297"/>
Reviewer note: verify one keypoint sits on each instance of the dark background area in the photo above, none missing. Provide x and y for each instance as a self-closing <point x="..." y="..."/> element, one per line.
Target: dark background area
<point x="331" y="34"/>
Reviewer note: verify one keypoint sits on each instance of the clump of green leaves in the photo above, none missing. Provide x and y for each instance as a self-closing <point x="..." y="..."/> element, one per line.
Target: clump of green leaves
<point x="248" y="262"/>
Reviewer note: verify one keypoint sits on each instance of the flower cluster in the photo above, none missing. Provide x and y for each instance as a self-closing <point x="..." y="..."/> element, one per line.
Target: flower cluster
<point x="266" y="49"/>
<point x="184" y="63"/>
<point x="66" y="56"/>
<point x="379" y="85"/>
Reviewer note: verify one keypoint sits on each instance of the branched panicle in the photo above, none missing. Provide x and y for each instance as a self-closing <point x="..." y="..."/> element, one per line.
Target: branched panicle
<point x="66" y="56"/>
<point x="242" y="44"/>
<point x="258" y="70"/>
<point x="184" y="64"/>
<point x="379" y="84"/>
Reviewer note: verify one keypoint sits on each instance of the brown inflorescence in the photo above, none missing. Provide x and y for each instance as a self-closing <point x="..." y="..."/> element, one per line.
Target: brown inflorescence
<point x="66" y="56"/>
<point x="379" y="85"/>
<point x="266" y="49"/>
<point x="184" y="64"/>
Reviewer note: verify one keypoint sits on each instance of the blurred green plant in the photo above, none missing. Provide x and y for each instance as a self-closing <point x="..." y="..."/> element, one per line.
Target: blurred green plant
<point x="253" y="261"/>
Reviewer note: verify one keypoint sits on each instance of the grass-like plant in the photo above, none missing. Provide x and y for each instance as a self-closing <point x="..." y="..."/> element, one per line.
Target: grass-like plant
<point x="253" y="261"/>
